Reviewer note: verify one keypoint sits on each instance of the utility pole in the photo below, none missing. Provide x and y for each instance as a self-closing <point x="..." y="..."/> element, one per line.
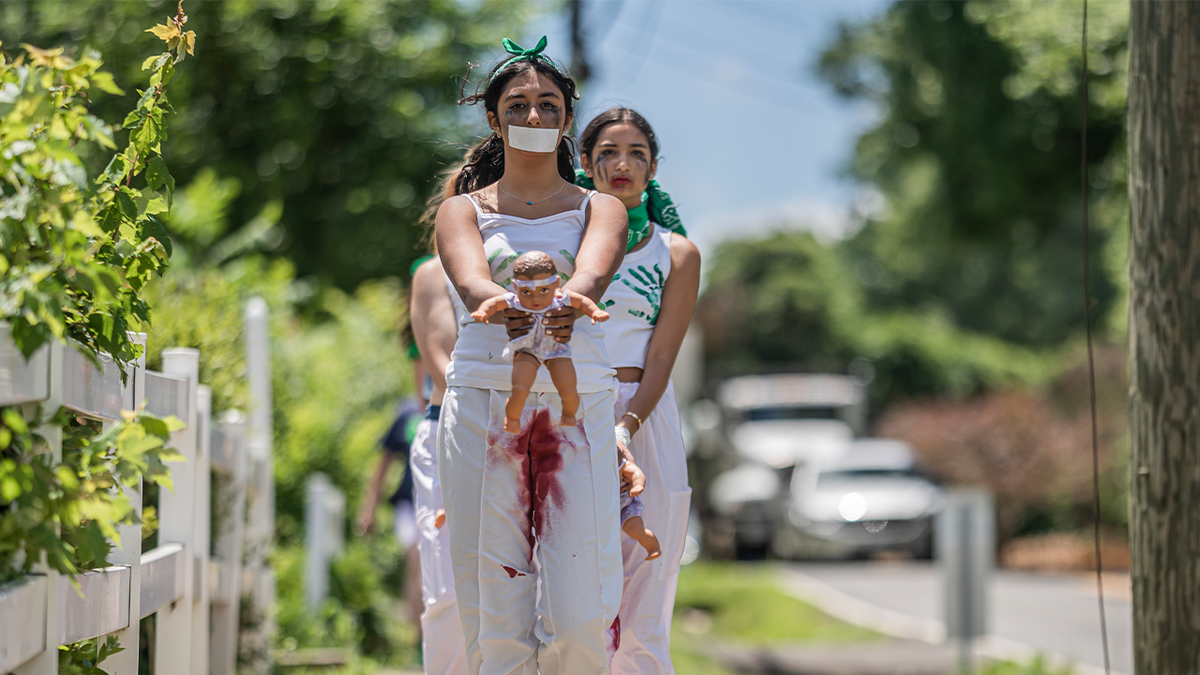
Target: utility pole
<point x="580" y="69"/>
<point x="1164" y="334"/>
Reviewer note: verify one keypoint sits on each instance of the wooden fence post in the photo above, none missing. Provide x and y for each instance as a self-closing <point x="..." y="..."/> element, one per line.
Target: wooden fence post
<point x="229" y="458"/>
<point x="177" y="523"/>
<point x="261" y="528"/>
<point x="203" y="511"/>
<point x="130" y="550"/>
<point x="46" y="663"/>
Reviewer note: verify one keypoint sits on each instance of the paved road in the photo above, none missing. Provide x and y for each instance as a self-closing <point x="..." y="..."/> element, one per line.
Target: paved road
<point x="1052" y="614"/>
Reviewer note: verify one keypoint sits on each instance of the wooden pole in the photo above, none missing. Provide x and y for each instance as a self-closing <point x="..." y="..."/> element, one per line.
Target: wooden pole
<point x="1164" y="333"/>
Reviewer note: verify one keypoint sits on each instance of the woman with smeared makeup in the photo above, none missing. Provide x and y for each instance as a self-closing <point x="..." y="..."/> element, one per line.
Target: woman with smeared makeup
<point x="550" y="485"/>
<point x="650" y="301"/>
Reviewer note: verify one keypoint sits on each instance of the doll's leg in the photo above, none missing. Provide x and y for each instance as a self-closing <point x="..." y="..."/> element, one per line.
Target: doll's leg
<point x="525" y="368"/>
<point x="634" y="527"/>
<point x="562" y="373"/>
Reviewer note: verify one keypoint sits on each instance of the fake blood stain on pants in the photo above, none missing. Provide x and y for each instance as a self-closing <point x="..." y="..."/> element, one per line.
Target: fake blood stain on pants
<point x="538" y="452"/>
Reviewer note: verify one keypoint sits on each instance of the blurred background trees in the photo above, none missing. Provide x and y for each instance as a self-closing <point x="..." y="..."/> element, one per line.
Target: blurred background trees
<point x="966" y="270"/>
<point x="303" y="147"/>
<point x="959" y="293"/>
<point x="337" y="113"/>
<point x="308" y="137"/>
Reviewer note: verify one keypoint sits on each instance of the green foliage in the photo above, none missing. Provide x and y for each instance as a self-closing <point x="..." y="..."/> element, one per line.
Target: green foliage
<point x="204" y="308"/>
<point x="70" y="511"/>
<point x="1036" y="666"/>
<point x="76" y="247"/>
<point x="779" y="299"/>
<point x="789" y="301"/>
<point x="360" y="609"/>
<point x="338" y="371"/>
<point x="337" y="382"/>
<point x="84" y="658"/>
<point x="977" y="158"/>
<point x="341" y="112"/>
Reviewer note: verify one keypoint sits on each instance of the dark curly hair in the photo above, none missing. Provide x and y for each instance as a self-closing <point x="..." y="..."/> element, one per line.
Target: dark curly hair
<point x="485" y="165"/>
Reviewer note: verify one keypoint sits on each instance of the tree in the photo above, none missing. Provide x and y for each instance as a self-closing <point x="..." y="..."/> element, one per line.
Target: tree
<point x="1164" y="333"/>
<point x="788" y="301"/>
<point x="976" y="156"/>
<point x="342" y="112"/>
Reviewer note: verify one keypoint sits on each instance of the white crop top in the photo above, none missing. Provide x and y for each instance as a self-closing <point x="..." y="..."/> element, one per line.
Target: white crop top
<point x="478" y="359"/>
<point x="634" y="298"/>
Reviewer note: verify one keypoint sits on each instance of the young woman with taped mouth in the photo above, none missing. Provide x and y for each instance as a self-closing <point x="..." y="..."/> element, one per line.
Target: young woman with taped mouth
<point x="650" y="301"/>
<point x="549" y="490"/>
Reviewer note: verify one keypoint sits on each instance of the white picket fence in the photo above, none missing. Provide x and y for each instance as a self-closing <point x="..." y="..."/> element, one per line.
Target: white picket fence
<point x="195" y="595"/>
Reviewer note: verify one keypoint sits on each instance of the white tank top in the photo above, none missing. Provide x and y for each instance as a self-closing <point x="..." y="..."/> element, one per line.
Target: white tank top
<point x="634" y="298"/>
<point x="478" y="359"/>
<point x="461" y="315"/>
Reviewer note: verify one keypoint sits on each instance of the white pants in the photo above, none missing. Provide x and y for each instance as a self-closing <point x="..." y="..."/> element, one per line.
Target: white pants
<point x="649" y="596"/>
<point x="441" y="632"/>
<point x="550" y="485"/>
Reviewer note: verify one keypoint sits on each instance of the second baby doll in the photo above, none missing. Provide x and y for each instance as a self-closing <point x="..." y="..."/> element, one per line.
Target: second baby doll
<point x="538" y="290"/>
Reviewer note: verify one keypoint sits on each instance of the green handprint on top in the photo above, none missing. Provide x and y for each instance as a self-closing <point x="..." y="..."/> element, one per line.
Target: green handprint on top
<point x="649" y="284"/>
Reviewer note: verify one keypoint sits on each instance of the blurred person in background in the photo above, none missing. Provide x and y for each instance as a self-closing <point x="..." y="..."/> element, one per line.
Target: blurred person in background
<point x="550" y="485"/>
<point x="397" y="445"/>
<point x="436" y="314"/>
<point x="651" y="299"/>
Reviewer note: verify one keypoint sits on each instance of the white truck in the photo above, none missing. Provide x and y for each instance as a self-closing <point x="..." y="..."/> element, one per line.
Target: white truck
<point x="772" y="424"/>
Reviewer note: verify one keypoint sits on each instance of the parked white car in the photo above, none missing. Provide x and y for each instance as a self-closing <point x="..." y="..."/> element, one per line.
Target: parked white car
<point x="870" y="498"/>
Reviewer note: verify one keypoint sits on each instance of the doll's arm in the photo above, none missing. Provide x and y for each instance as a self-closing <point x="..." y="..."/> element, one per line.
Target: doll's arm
<point x="487" y="308"/>
<point x="589" y="308"/>
<point x="633" y="479"/>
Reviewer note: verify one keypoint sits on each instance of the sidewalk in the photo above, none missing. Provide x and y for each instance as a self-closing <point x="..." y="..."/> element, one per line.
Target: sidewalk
<point x="1052" y="614"/>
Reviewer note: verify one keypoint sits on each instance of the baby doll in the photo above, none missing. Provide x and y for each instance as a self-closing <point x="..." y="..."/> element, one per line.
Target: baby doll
<point x="538" y="287"/>
<point x="631" y="509"/>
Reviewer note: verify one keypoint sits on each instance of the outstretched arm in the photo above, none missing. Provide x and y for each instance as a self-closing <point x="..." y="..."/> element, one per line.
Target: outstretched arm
<point x="487" y="308"/>
<point x="460" y="247"/>
<point x="589" y="308"/>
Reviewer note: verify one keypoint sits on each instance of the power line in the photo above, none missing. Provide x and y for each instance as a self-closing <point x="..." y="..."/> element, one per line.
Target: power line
<point x="655" y="17"/>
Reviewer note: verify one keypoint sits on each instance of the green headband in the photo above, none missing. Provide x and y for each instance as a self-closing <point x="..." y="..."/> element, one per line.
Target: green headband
<point x="520" y="54"/>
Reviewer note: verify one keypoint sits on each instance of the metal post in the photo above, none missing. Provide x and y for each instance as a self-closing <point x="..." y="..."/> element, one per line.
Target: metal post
<point x="177" y="522"/>
<point x="324" y="534"/>
<point x="261" y="528"/>
<point x="965" y="551"/>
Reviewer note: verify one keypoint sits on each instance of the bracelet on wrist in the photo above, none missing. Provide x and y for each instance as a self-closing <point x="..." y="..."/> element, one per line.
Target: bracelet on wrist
<point x="635" y="417"/>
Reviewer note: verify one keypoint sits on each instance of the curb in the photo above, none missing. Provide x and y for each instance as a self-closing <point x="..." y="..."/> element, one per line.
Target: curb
<point x="895" y="624"/>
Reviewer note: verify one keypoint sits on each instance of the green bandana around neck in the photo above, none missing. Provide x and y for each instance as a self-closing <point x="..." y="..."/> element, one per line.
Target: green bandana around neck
<point x="656" y="207"/>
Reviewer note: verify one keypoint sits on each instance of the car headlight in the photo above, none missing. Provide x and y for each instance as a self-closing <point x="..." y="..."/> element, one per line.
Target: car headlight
<point x="852" y="507"/>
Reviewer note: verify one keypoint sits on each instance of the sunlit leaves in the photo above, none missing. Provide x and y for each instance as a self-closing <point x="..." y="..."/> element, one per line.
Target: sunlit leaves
<point x="71" y="511"/>
<point x="177" y="39"/>
<point x="77" y="249"/>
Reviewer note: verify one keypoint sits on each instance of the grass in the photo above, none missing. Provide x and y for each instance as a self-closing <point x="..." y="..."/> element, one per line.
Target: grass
<point x="742" y="602"/>
<point x="1037" y="666"/>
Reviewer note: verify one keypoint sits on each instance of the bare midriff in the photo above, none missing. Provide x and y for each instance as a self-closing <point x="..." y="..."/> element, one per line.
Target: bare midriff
<point x="629" y="374"/>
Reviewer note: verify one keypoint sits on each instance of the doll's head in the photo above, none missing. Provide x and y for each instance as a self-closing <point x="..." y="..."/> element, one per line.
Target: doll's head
<point x="535" y="279"/>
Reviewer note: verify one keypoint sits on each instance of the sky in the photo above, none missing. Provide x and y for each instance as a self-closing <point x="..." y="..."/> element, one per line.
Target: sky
<point x="751" y="139"/>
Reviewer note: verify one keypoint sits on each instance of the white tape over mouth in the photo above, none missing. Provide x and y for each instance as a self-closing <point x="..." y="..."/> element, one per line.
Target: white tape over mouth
<point x="533" y="139"/>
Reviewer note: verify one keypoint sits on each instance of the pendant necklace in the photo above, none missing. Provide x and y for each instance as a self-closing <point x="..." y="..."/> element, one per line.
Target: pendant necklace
<point x="529" y="203"/>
